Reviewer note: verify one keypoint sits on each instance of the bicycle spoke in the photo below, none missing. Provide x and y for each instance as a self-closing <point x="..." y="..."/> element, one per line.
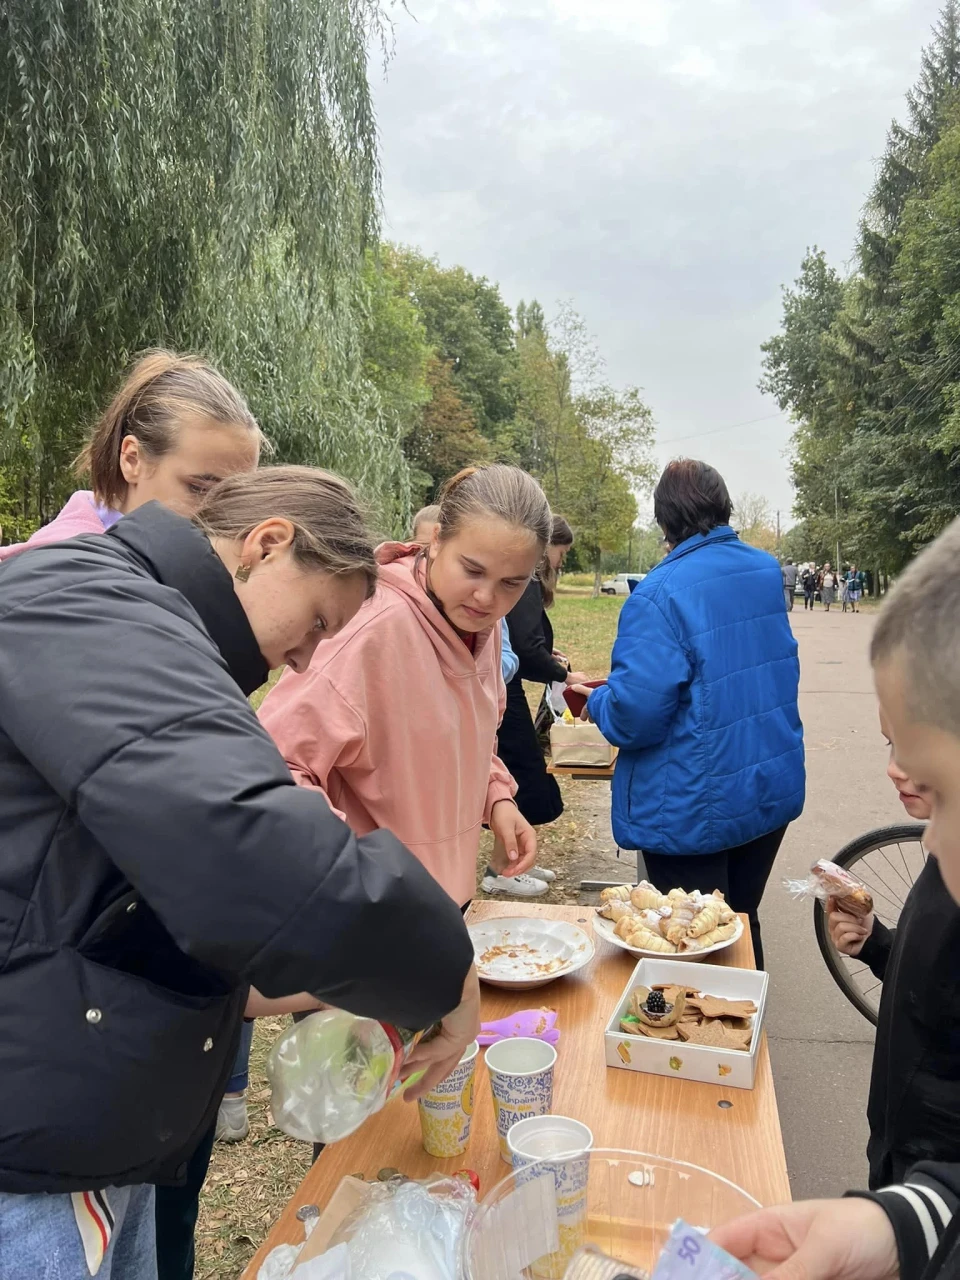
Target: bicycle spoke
<point x="895" y="870"/>
<point x="894" y="896"/>
<point x="890" y="896"/>
<point x="904" y="861"/>
<point x="873" y="988"/>
<point x="855" y="973"/>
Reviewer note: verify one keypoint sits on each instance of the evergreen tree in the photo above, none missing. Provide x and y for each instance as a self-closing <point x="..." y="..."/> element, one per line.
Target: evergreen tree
<point x="870" y="367"/>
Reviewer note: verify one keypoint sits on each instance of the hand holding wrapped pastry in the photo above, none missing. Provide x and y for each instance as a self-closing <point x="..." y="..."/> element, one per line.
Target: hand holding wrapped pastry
<point x="827" y="880"/>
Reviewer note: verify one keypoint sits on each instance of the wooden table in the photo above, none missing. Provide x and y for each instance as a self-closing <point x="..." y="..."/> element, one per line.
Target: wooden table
<point x="583" y="772"/>
<point x="626" y="1109"/>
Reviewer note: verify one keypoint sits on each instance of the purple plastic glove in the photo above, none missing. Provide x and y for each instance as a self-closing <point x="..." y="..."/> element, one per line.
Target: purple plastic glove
<point x="540" y="1024"/>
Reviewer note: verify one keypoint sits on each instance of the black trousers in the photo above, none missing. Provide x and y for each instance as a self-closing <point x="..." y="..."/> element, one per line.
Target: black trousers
<point x="740" y="874"/>
<point x="176" y="1216"/>
<point x="538" y="793"/>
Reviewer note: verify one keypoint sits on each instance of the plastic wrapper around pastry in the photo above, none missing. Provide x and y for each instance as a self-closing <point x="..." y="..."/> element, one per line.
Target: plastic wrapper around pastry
<point x="827" y="880"/>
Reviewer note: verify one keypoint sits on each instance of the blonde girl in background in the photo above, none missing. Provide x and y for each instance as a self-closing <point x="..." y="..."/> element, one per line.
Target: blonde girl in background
<point x="424" y="522"/>
<point x="396" y="720"/>
<point x="174" y="428"/>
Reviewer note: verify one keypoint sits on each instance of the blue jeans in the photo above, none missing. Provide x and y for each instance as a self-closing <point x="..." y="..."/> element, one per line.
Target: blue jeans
<point x="240" y="1077"/>
<point x="40" y="1238"/>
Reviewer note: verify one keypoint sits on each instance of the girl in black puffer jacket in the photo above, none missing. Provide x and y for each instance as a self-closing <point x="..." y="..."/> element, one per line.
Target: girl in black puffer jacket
<point x="159" y="859"/>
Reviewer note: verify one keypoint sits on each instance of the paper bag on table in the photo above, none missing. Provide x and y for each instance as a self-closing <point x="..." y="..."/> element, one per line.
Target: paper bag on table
<point x="580" y="744"/>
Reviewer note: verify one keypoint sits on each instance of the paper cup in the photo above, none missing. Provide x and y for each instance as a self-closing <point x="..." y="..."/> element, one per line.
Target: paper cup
<point x="521" y="1080"/>
<point x="556" y="1148"/>
<point x="447" y="1111"/>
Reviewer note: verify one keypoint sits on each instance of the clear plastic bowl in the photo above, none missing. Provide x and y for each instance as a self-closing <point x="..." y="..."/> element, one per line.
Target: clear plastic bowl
<point x="630" y="1204"/>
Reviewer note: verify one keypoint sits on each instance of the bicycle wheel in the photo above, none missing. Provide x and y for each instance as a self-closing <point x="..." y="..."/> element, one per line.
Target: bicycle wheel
<point x="887" y="862"/>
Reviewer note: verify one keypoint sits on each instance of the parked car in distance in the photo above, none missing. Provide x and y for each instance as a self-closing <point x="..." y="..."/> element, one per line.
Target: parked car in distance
<point x="621" y="585"/>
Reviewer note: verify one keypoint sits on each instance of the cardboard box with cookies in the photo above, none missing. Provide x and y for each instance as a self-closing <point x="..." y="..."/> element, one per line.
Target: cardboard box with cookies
<point x="695" y="1022"/>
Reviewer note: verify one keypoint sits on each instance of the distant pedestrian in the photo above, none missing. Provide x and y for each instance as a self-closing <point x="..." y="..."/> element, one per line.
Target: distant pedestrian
<point x="828" y="586"/>
<point x="789" y="572"/>
<point x="854" y="583"/>
<point x="808" y="580"/>
<point x="844" y="593"/>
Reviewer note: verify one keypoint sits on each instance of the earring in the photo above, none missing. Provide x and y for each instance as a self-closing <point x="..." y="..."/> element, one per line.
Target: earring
<point x="243" y="572"/>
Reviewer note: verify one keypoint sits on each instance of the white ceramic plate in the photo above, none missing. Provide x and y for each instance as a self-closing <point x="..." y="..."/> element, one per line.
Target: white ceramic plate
<point x="604" y="929"/>
<point x="521" y="952"/>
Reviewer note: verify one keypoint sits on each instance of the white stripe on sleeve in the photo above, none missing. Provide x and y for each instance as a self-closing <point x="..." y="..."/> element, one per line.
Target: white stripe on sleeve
<point x="924" y="1217"/>
<point x="937" y="1201"/>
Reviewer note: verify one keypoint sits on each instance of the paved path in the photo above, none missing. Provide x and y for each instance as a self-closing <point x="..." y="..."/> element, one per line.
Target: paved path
<point x="821" y="1047"/>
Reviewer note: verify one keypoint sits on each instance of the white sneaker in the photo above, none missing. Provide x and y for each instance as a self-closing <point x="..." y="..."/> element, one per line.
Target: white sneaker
<point x="522" y="886"/>
<point x="543" y="873"/>
<point x="232" y="1122"/>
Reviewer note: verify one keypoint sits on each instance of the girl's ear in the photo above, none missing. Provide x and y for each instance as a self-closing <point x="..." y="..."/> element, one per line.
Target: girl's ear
<point x="269" y="538"/>
<point x="131" y="459"/>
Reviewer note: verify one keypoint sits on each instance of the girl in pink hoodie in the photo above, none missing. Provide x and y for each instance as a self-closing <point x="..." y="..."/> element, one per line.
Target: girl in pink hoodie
<point x="174" y="429"/>
<point x="396" y="718"/>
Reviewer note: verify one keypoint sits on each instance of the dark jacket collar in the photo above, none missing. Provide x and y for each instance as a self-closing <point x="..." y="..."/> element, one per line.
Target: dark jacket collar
<point x="176" y="553"/>
<point x="722" y="533"/>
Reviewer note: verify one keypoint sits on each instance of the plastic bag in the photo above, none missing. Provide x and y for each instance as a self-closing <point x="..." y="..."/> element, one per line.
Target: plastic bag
<point x="279" y="1262"/>
<point x="827" y="880"/>
<point x="331" y="1071"/>
<point x="555" y="698"/>
<point x="408" y="1229"/>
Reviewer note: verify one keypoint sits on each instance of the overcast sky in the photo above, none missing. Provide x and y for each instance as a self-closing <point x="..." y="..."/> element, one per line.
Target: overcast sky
<point x="663" y="163"/>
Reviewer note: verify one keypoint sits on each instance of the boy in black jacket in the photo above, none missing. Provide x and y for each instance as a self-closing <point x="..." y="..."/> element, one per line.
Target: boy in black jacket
<point x="914" y="1105"/>
<point x="911" y="1230"/>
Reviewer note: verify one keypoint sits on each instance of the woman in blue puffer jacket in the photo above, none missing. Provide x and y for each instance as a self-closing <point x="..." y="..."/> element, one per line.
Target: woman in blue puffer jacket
<point x="702" y="702"/>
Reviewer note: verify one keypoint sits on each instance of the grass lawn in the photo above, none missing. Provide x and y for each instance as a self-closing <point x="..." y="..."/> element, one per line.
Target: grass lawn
<point x="250" y="1182"/>
<point x="584" y="629"/>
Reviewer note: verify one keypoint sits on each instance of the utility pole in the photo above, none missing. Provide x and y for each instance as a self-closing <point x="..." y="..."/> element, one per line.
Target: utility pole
<point x="836" y="516"/>
<point x="779" y="556"/>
